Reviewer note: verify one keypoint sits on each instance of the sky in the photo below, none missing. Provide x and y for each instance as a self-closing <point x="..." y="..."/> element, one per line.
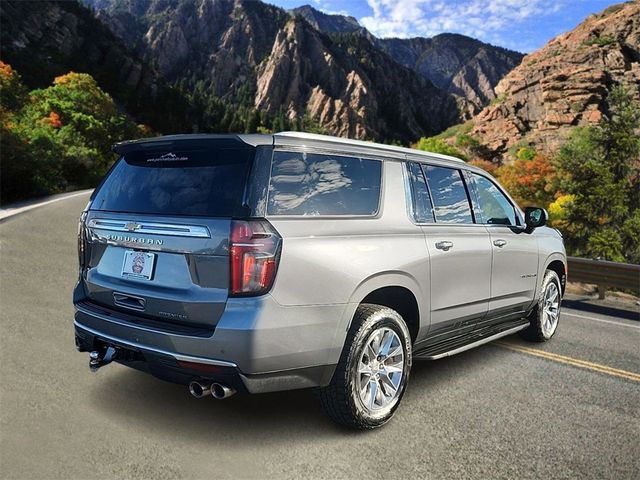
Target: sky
<point x="522" y="25"/>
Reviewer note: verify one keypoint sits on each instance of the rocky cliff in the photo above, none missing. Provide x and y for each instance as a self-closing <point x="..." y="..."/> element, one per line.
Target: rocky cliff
<point x="459" y="65"/>
<point x="42" y="40"/>
<point x="256" y="55"/>
<point x="464" y="67"/>
<point x="348" y="86"/>
<point x="237" y="65"/>
<point x="327" y="23"/>
<point x="564" y="84"/>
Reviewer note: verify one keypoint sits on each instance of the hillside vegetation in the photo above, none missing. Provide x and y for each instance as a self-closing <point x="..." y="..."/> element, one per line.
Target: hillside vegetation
<point x="56" y="138"/>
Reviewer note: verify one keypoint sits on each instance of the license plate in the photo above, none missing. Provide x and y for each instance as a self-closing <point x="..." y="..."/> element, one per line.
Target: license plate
<point x="138" y="264"/>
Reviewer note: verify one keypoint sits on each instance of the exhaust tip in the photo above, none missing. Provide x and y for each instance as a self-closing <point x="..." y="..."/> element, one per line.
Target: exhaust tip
<point x="199" y="390"/>
<point x="219" y="391"/>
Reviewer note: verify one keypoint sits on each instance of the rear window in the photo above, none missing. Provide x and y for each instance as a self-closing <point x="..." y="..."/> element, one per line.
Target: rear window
<point x="317" y="184"/>
<point x="195" y="182"/>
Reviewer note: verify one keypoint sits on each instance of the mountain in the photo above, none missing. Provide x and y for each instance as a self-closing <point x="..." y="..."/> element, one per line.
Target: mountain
<point x="42" y="40"/>
<point x="328" y="23"/>
<point x="563" y="85"/>
<point x="462" y="66"/>
<point x="258" y="56"/>
<point x="459" y="65"/>
<point x="245" y="65"/>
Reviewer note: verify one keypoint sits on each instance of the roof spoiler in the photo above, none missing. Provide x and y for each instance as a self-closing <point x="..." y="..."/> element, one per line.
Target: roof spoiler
<point x="171" y="142"/>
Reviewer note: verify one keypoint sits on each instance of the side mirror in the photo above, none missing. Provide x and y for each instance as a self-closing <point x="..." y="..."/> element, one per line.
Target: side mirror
<point x="535" y="217"/>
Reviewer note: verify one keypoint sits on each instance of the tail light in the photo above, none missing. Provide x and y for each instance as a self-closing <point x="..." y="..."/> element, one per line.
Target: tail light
<point x="82" y="240"/>
<point x="254" y="253"/>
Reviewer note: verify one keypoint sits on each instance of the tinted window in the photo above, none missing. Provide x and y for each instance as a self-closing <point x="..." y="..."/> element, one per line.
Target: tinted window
<point x="314" y="184"/>
<point x="494" y="207"/>
<point x="421" y="208"/>
<point x="449" y="195"/>
<point x="202" y="183"/>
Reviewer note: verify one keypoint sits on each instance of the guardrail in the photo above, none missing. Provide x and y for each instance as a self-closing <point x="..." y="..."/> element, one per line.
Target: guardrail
<point x="604" y="274"/>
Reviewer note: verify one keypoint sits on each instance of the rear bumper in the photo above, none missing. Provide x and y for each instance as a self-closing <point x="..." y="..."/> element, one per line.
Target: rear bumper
<point x="257" y="346"/>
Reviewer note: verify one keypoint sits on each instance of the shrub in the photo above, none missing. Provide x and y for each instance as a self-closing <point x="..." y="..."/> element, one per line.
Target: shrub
<point x="436" y="145"/>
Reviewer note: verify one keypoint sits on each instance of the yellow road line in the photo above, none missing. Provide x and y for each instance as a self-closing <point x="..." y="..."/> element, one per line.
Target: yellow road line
<point x="596" y="367"/>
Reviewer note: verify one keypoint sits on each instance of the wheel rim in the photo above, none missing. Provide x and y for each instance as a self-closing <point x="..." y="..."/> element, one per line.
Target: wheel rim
<point x="550" y="309"/>
<point x="380" y="369"/>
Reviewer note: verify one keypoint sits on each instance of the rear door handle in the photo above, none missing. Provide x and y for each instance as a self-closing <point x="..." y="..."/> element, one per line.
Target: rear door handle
<point x="444" y="245"/>
<point x="500" y="243"/>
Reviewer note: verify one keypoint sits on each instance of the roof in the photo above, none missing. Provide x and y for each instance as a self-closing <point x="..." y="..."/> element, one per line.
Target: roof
<point x="300" y="139"/>
<point x="310" y="139"/>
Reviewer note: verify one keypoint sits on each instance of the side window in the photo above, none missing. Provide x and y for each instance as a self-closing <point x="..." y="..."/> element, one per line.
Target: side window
<point x="494" y="208"/>
<point x="317" y="184"/>
<point x="449" y="195"/>
<point x="421" y="208"/>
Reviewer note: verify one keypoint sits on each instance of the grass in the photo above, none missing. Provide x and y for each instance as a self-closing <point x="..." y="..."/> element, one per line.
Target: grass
<point x="600" y="41"/>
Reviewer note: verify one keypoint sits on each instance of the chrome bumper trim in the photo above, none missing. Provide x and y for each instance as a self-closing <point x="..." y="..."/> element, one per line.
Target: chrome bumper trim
<point x="131" y="227"/>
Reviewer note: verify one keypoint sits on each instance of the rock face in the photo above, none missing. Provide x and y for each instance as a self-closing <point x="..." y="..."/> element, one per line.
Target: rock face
<point x="345" y="95"/>
<point x="252" y="53"/>
<point x="462" y="66"/>
<point x="231" y="65"/>
<point x="328" y="23"/>
<point x="564" y="84"/>
<point x="42" y="40"/>
<point x="56" y="35"/>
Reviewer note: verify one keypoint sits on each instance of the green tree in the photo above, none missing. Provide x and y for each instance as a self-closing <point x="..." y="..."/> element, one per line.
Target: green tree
<point x="436" y="145"/>
<point x="82" y="120"/>
<point x="600" y="167"/>
<point x="26" y="168"/>
<point x="12" y="91"/>
<point x="58" y="137"/>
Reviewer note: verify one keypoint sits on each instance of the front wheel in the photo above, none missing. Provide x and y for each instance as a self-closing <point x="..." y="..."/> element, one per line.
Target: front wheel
<point x="372" y="374"/>
<point x="543" y="321"/>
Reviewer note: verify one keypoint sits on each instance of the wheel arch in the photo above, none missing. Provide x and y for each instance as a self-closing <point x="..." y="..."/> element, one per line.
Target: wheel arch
<point x="395" y="290"/>
<point x="558" y="263"/>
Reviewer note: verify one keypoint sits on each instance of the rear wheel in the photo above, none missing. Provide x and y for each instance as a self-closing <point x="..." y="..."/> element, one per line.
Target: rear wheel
<point x="543" y="321"/>
<point x="373" y="370"/>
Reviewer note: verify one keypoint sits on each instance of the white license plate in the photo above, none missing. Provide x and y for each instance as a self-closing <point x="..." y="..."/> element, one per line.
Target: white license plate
<point x="138" y="264"/>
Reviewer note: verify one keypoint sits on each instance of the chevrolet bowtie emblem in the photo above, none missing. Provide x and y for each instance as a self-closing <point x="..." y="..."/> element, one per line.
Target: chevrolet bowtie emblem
<point x="132" y="226"/>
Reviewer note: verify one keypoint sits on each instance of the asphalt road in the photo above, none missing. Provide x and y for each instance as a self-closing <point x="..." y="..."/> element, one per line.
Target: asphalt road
<point x="499" y="411"/>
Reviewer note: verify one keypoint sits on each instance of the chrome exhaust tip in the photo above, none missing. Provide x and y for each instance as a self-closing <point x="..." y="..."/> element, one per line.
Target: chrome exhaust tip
<point x="219" y="391"/>
<point x="199" y="390"/>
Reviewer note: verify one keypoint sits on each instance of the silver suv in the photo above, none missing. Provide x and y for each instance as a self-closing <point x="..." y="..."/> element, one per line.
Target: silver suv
<point x="257" y="263"/>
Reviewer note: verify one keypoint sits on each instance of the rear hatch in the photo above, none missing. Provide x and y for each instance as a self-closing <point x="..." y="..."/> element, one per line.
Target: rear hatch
<point x="156" y="236"/>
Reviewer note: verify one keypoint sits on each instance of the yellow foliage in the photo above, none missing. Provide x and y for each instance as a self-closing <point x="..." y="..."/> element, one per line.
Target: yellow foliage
<point x="66" y="78"/>
<point x="558" y="210"/>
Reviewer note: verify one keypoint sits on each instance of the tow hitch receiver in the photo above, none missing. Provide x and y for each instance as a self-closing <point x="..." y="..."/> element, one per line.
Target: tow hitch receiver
<point x="95" y="361"/>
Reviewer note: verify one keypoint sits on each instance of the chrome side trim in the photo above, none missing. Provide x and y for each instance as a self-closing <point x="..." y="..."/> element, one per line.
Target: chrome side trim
<point x="477" y="343"/>
<point x="176" y="230"/>
<point x="177" y="356"/>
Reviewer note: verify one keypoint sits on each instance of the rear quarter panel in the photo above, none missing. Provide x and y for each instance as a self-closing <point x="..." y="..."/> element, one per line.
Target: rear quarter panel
<point x="329" y="261"/>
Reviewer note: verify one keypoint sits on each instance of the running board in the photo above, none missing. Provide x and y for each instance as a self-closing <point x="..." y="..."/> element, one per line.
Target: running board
<point x="434" y="355"/>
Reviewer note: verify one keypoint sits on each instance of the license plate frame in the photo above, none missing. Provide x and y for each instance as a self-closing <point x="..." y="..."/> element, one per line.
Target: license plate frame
<point x="138" y="265"/>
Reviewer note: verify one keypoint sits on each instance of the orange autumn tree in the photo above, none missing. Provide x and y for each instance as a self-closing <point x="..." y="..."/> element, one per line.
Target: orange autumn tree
<point x="531" y="180"/>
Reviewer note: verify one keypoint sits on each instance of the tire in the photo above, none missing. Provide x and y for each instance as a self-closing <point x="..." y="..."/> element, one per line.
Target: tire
<point x="544" y="319"/>
<point x="345" y="401"/>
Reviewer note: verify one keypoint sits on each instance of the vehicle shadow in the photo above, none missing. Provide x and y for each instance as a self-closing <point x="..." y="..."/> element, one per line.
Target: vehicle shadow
<point x="588" y="305"/>
<point x="245" y="420"/>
